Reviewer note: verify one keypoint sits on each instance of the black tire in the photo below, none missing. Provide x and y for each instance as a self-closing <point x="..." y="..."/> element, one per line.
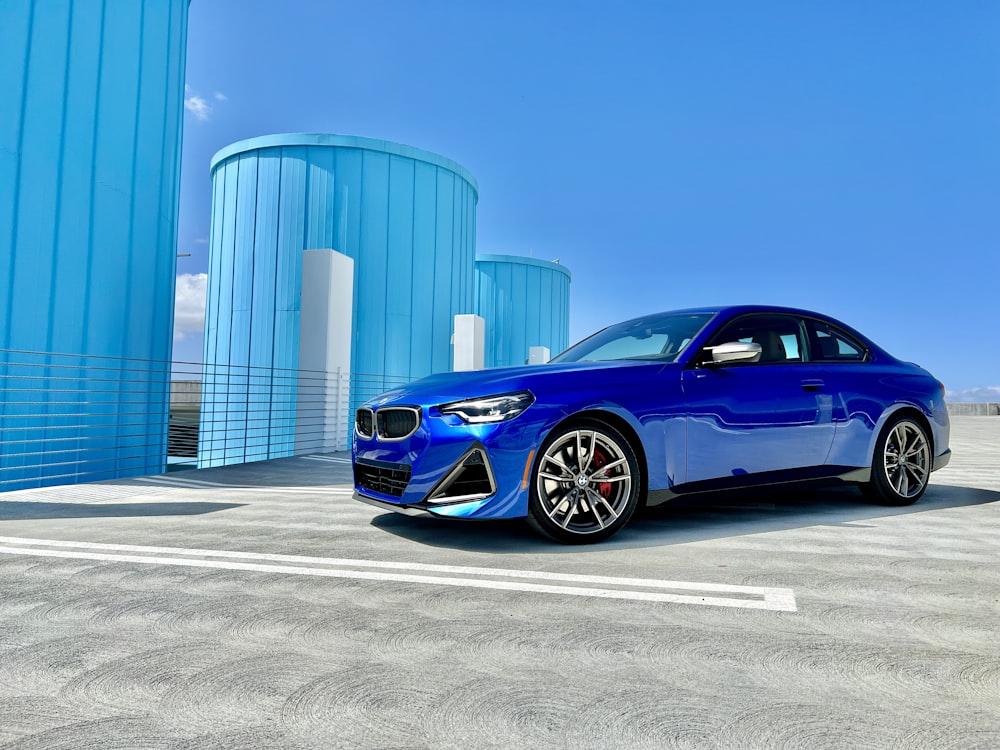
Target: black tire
<point x="567" y="501"/>
<point x="901" y="466"/>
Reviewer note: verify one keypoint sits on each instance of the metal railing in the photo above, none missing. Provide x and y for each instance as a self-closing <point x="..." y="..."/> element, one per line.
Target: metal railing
<point x="78" y="418"/>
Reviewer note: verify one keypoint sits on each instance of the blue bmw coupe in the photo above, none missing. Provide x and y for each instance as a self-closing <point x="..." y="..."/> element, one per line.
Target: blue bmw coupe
<point x="680" y="402"/>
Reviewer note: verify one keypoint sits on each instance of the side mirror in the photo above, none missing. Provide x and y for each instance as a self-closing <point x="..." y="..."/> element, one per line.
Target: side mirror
<point x="733" y="352"/>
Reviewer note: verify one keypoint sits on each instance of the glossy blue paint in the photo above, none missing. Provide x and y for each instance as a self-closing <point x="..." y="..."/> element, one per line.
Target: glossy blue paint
<point x="748" y="420"/>
<point x="90" y="136"/>
<point x="407" y="217"/>
<point x="525" y="303"/>
<point x="694" y="425"/>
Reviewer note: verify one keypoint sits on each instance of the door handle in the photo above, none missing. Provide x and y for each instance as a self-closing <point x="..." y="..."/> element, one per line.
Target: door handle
<point x="812" y="385"/>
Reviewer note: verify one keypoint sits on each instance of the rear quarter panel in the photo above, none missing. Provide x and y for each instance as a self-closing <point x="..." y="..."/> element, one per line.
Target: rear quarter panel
<point x="870" y="395"/>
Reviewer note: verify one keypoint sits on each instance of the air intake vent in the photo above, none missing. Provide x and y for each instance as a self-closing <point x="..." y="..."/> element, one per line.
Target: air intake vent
<point x="397" y="423"/>
<point x="364" y="423"/>
<point x="471" y="479"/>
<point x="386" y="479"/>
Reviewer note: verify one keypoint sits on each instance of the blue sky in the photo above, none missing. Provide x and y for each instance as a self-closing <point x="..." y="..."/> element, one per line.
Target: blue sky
<point x="843" y="157"/>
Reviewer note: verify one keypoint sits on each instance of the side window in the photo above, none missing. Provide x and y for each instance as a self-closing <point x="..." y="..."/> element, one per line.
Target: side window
<point x="779" y="336"/>
<point x="830" y="344"/>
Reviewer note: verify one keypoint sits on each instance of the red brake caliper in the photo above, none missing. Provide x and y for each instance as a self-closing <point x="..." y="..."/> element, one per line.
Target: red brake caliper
<point x="600" y="460"/>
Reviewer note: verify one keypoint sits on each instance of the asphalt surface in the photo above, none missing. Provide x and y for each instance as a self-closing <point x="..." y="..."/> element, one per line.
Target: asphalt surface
<point x="259" y="606"/>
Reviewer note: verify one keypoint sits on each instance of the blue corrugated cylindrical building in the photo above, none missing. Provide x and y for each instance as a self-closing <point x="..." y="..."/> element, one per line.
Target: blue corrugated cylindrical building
<point x="90" y="135"/>
<point x="406" y="217"/>
<point x="525" y="303"/>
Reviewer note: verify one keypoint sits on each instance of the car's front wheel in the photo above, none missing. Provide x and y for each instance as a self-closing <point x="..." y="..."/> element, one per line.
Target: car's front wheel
<point x="901" y="466"/>
<point x="585" y="484"/>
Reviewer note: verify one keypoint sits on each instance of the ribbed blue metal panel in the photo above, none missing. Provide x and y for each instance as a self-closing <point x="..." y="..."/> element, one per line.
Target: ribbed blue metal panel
<point x="525" y="303"/>
<point x="90" y="135"/>
<point x="406" y="217"/>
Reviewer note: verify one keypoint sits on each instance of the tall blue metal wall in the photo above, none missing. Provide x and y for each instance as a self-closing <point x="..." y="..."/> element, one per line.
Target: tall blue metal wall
<point x="408" y="219"/>
<point x="525" y="303"/>
<point x="90" y="135"/>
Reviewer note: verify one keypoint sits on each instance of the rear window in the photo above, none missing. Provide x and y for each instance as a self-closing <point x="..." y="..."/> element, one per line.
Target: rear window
<point x="830" y="344"/>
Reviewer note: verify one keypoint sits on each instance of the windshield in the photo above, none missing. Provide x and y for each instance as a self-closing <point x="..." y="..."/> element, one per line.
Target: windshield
<point x="659" y="337"/>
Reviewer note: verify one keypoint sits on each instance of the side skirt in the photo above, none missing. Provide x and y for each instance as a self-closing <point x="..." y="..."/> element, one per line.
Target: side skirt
<point x="819" y="475"/>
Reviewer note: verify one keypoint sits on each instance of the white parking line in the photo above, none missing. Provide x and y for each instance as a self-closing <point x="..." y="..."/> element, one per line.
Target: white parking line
<point x="328" y="459"/>
<point x="780" y="599"/>
<point x="200" y="484"/>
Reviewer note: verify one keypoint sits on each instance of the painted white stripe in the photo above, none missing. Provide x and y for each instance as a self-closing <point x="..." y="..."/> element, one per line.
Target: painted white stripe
<point x="195" y="484"/>
<point x="781" y="599"/>
<point x="328" y="459"/>
<point x="402" y="578"/>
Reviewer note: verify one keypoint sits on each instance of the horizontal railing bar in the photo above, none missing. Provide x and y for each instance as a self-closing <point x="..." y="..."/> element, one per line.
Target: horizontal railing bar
<point x="305" y="410"/>
<point x="117" y="459"/>
<point x="203" y="436"/>
<point x="170" y="363"/>
<point x="85" y="411"/>
<point x="293" y="382"/>
<point x="199" y="370"/>
<point x="300" y="436"/>
<point x="244" y="392"/>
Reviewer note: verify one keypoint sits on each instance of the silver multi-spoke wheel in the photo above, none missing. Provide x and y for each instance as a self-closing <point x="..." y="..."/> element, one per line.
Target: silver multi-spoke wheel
<point x="903" y="463"/>
<point x="906" y="460"/>
<point x="585" y="484"/>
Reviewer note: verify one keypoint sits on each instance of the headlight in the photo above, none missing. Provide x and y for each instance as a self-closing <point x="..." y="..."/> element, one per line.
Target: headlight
<point x="491" y="408"/>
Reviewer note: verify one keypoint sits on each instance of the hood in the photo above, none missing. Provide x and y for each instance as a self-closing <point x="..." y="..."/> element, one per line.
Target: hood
<point x="454" y="386"/>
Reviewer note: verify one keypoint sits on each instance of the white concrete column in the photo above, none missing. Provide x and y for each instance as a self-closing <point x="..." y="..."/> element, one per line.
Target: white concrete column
<point x="469" y="343"/>
<point x="538" y="355"/>
<point x="325" y="332"/>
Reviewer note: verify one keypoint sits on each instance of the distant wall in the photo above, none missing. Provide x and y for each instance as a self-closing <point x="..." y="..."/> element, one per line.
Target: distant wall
<point x="185" y="394"/>
<point x="974" y="410"/>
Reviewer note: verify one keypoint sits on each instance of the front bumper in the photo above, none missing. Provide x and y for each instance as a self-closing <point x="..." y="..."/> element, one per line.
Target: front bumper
<point x="447" y="468"/>
<point x="406" y="510"/>
<point x="463" y="489"/>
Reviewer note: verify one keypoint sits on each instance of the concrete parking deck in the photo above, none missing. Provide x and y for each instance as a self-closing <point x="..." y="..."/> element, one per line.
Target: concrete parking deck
<point x="260" y="606"/>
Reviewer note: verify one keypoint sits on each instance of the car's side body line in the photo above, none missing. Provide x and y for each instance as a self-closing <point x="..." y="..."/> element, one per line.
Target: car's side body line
<point x="812" y="474"/>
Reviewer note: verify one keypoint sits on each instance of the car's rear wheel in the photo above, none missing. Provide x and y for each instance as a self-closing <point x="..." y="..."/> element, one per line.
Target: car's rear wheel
<point x="901" y="466"/>
<point x="585" y="484"/>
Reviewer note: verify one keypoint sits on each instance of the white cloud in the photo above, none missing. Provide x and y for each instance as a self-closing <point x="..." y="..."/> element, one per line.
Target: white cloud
<point x="979" y="395"/>
<point x="189" y="304"/>
<point x="198" y="107"/>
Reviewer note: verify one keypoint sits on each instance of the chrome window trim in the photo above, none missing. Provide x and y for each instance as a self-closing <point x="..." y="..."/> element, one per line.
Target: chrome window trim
<point x="416" y="425"/>
<point x="850" y="338"/>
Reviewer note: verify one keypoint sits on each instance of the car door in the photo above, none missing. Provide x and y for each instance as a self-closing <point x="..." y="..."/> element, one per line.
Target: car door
<point x="843" y="363"/>
<point x="771" y="415"/>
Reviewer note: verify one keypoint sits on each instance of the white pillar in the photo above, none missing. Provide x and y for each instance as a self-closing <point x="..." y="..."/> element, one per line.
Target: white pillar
<point x="325" y="331"/>
<point x="538" y="355"/>
<point x="469" y="343"/>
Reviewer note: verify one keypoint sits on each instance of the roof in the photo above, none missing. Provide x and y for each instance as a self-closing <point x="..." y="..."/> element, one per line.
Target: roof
<point x="342" y="141"/>
<point x="734" y="310"/>
<point x="524" y="261"/>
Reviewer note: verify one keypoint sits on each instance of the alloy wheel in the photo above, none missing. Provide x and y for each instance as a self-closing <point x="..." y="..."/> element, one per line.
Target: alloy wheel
<point x="906" y="459"/>
<point x="584" y="481"/>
